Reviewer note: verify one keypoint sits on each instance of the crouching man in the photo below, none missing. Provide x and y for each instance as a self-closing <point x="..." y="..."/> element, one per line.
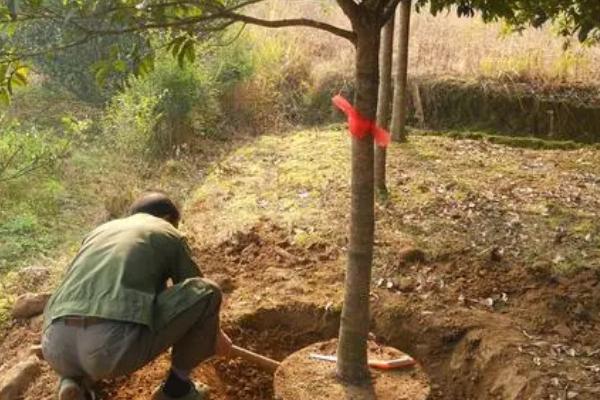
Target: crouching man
<point x="113" y="312"/>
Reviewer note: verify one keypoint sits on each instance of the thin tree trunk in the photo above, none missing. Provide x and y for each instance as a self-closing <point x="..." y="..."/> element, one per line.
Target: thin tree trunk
<point x="352" y="350"/>
<point x="399" y="110"/>
<point x="386" y="53"/>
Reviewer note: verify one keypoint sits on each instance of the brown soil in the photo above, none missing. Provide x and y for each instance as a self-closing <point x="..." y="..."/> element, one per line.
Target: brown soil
<point x="481" y="329"/>
<point x="299" y="377"/>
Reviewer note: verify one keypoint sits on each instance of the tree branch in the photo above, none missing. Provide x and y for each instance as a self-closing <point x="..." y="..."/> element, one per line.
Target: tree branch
<point x="282" y="23"/>
<point x="12" y="56"/>
<point x="349" y="7"/>
<point x="219" y="17"/>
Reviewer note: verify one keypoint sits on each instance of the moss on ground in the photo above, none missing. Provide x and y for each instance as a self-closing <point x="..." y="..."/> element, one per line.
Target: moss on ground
<point x="446" y="196"/>
<point x="527" y="142"/>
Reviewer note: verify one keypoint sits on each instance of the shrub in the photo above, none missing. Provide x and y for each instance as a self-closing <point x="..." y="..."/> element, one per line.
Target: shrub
<point x="162" y="110"/>
<point x="259" y="82"/>
<point x="30" y="160"/>
<point x="327" y="82"/>
<point x="269" y="93"/>
<point x="25" y="152"/>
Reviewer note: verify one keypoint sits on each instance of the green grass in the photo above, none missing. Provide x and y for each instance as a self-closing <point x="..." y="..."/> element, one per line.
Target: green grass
<point x="289" y="178"/>
<point x="42" y="106"/>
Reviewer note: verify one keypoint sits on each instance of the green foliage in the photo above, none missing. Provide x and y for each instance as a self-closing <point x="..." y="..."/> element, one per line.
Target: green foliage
<point x="30" y="151"/>
<point x="247" y="80"/>
<point x="267" y="81"/>
<point x="12" y="74"/>
<point x="193" y="22"/>
<point x="164" y="108"/>
<point x="93" y="70"/>
<point x="21" y="234"/>
<point x="29" y="190"/>
<point x="580" y="18"/>
<point x="234" y="63"/>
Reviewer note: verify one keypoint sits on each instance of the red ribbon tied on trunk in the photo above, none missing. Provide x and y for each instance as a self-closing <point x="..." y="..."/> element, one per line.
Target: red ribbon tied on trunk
<point x="360" y="126"/>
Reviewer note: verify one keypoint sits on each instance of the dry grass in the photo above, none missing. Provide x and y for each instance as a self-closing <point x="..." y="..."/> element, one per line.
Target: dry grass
<point x="449" y="46"/>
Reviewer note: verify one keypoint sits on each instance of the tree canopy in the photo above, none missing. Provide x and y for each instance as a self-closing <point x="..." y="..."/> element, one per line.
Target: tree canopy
<point x="574" y="17"/>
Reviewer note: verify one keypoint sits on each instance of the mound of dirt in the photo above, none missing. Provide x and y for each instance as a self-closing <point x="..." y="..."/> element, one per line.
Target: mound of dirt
<point x="301" y="377"/>
<point x="267" y="269"/>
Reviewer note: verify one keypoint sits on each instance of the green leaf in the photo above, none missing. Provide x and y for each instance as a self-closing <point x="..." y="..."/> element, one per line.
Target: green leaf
<point x="175" y="45"/>
<point x="145" y="65"/>
<point x="3" y="73"/>
<point x="4" y="96"/>
<point x="18" y="79"/>
<point x="120" y="66"/>
<point x="190" y="51"/>
<point x="187" y="52"/>
<point x="19" y="76"/>
<point x="101" y="69"/>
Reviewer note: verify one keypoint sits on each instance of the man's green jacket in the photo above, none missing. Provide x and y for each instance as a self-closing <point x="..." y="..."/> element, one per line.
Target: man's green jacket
<point x="122" y="268"/>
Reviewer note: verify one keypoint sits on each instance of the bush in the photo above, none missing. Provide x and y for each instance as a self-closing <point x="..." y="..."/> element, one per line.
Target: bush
<point x="164" y="109"/>
<point x="326" y="83"/>
<point x="25" y="152"/>
<point x="260" y="82"/>
<point x="30" y="160"/>
<point x="269" y="94"/>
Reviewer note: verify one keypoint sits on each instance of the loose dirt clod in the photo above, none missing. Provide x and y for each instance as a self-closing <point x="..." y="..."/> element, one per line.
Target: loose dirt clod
<point x="224" y="281"/>
<point x="411" y="255"/>
<point x="496" y="254"/>
<point x="18" y="378"/>
<point x="29" y="305"/>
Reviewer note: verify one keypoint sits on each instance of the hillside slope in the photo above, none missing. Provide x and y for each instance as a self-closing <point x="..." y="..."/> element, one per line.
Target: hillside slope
<point x="486" y="263"/>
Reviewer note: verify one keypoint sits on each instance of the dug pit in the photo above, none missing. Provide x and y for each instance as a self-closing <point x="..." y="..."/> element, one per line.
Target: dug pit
<point x="275" y="333"/>
<point x="467" y="362"/>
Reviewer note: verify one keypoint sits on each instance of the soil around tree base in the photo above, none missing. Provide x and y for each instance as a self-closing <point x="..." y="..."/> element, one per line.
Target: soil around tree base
<point x="300" y="377"/>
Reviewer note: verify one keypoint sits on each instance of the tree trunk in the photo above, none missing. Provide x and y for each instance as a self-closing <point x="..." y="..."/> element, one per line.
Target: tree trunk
<point x="386" y="52"/>
<point x="352" y="350"/>
<point x="399" y="110"/>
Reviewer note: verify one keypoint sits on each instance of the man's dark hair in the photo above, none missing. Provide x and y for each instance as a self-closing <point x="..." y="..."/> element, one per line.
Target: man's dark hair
<point x="157" y="204"/>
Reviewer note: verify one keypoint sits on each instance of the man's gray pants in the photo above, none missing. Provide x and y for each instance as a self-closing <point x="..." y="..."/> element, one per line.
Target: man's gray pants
<point x="109" y="349"/>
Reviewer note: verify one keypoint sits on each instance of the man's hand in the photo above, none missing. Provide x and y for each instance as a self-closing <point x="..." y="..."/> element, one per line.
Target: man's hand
<point x="223" y="345"/>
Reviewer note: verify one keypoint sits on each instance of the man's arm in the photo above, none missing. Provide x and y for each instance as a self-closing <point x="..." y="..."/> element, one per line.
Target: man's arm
<point x="185" y="267"/>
